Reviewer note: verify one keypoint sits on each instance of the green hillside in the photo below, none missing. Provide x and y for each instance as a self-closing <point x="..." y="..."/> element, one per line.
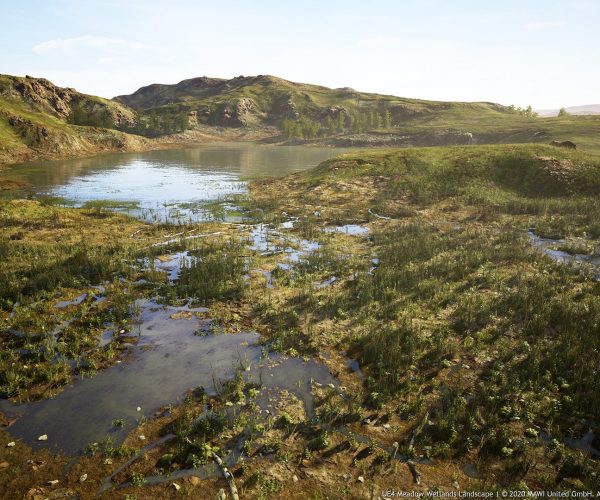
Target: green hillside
<point x="38" y="118"/>
<point x="312" y="113"/>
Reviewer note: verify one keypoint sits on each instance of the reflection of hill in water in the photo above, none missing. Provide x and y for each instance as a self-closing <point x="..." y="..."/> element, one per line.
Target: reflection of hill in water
<point x="243" y="159"/>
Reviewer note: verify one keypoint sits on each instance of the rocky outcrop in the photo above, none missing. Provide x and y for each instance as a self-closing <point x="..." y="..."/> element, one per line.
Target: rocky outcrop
<point x="237" y="113"/>
<point x="43" y="96"/>
<point x="564" y="144"/>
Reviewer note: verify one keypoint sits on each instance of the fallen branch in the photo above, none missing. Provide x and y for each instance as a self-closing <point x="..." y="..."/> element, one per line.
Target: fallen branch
<point x="379" y="216"/>
<point x="415" y="473"/>
<point x="227" y="475"/>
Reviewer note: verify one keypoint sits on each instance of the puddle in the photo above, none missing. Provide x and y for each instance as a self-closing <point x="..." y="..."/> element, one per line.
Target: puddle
<point x="63" y="304"/>
<point x="168" y="360"/>
<point x="584" y="443"/>
<point x="545" y="245"/>
<point x="374" y="266"/>
<point x="326" y="283"/>
<point x="268" y="241"/>
<point x="175" y="353"/>
<point x="471" y="471"/>
<point x="268" y="276"/>
<point x="355" y="367"/>
<point x="351" y="229"/>
<point x="172" y="264"/>
<point x="106" y="338"/>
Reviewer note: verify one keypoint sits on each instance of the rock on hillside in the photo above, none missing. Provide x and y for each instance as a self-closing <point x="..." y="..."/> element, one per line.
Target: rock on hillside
<point x="41" y="120"/>
<point x="65" y="103"/>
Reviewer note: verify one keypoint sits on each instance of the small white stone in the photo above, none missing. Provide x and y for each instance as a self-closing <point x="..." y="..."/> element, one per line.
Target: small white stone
<point x="139" y="408"/>
<point x="295" y="478"/>
<point x="43" y="437"/>
<point x="228" y="403"/>
<point x="108" y="461"/>
<point x="53" y="482"/>
<point x="11" y="444"/>
<point x="142" y="437"/>
<point x="386" y="426"/>
<point x="361" y="479"/>
<point x="176" y="486"/>
<point x="82" y="478"/>
<point x="331" y="386"/>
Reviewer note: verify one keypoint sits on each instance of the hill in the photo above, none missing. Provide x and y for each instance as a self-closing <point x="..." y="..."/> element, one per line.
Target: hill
<point x="39" y="119"/>
<point x="287" y="111"/>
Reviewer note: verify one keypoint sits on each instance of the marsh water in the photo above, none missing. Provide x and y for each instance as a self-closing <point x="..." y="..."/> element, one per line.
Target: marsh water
<point x="177" y="349"/>
<point x="172" y="184"/>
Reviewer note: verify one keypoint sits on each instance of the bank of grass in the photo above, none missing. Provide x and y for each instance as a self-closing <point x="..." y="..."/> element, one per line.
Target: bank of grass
<point x="464" y="330"/>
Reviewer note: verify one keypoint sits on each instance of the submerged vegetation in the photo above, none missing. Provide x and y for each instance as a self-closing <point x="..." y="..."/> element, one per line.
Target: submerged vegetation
<point x="458" y="352"/>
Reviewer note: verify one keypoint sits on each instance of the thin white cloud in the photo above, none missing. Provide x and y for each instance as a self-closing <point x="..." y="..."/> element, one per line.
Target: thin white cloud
<point x="542" y="25"/>
<point x="58" y="45"/>
<point x="379" y="41"/>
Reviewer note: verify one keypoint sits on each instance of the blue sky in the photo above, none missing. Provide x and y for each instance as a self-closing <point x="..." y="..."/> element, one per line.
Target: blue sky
<point x="539" y="52"/>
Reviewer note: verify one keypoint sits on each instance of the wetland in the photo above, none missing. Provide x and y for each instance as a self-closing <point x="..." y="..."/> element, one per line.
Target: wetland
<point x="423" y="317"/>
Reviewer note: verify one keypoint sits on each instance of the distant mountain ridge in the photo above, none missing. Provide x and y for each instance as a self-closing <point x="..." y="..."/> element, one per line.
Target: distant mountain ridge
<point x="585" y="109"/>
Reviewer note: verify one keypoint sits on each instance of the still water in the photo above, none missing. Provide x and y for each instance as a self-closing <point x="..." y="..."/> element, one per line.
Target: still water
<point x="172" y="184"/>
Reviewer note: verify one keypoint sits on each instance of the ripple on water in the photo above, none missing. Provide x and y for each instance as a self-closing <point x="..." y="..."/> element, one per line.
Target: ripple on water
<point x="168" y="360"/>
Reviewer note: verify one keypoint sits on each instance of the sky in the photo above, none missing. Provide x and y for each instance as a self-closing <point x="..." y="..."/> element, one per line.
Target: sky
<point x="543" y="53"/>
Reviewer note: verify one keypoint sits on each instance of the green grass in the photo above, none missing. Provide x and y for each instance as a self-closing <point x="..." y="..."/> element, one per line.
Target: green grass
<point x="463" y="325"/>
<point x="50" y="254"/>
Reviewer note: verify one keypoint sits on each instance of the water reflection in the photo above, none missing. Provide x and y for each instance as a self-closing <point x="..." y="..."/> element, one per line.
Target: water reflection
<point x="182" y="179"/>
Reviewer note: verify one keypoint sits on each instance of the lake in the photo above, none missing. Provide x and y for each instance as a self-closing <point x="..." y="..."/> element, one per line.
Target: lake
<point x="172" y="184"/>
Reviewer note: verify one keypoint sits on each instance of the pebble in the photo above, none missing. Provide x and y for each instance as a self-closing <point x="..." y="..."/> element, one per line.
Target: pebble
<point x="331" y="386"/>
<point x="139" y="408"/>
<point x="53" y="482"/>
<point x="43" y="437"/>
<point x="108" y="461"/>
<point x="11" y="444"/>
<point x="295" y="478"/>
<point x="176" y="486"/>
<point x="142" y="437"/>
<point x="82" y="478"/>
<point x="361" y="479"/>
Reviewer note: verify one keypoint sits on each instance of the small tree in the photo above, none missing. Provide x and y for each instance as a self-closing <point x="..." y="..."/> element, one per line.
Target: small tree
<point x="341" y="122"/>
<point x="530" y="112"/>
<point x="563" y="112"/>
<point x="387" y="119"/>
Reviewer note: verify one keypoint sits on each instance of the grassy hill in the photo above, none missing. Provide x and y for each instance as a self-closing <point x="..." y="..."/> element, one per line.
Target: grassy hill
<point x="38" y="118"/>
<point x="311" y="113"/>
